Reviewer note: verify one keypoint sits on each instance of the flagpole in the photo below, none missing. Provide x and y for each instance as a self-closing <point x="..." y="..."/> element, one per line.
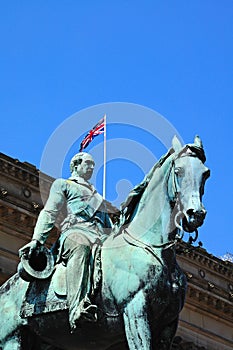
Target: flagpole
<point x="104" y="170"/>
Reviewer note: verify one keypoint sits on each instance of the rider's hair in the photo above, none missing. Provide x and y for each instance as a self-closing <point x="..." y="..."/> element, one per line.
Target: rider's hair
<point x="77" y="160"/>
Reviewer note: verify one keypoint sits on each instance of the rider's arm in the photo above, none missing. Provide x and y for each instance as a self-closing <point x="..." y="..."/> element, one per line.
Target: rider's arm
<point x="48" y="215"/>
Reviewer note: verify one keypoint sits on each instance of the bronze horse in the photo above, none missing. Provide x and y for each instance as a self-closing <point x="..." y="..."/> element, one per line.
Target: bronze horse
<point x="142" y="289"/>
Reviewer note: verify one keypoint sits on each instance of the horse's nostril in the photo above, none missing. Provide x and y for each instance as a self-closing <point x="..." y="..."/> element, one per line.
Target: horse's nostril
<point x="190" y="212"/>
<point x="196" y="213"/>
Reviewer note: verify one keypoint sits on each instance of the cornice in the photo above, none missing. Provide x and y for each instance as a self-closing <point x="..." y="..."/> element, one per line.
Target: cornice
<point x="209" y="286"/>
<point x="210" y="281"/>
<point x="22" y="185"/>
<point x="17" y="223"/>
<point x="209" y="302"/>
<point x="200" y="257"/>
<point x="18" y="201"/>
<point x="17" y="170"/>
<point x="14" y="219"/>
<point x="24" y="172"/>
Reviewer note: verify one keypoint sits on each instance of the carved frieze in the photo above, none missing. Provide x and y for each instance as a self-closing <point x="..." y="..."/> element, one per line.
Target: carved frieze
<point x="208" y="261"/>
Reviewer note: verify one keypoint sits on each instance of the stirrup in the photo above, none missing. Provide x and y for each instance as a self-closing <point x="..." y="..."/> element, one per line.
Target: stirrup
<point x="86" y="312"/>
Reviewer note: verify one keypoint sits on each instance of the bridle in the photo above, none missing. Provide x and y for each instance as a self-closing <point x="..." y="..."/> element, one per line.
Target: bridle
<point x="132" y="240"/>
<point x="186" y="152"/>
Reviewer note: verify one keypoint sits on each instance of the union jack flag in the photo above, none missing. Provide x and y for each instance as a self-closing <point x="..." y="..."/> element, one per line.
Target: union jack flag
<point x="95" y="131"/>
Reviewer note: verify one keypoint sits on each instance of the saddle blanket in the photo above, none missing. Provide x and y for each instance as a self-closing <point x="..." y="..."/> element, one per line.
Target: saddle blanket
<point x="42" y="298"/>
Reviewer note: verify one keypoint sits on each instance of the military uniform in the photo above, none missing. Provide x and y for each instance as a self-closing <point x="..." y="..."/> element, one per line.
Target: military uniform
<point x="86" y="223"/>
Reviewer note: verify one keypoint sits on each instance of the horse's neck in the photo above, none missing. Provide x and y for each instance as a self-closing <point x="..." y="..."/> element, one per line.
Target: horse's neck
<point x="151" y="222"/>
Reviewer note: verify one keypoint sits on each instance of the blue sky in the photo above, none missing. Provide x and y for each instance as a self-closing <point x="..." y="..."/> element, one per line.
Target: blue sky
<point x="175" y="57"/>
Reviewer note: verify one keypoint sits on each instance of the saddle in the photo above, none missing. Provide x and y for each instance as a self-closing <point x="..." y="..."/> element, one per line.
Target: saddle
<point x="50" y="295"/>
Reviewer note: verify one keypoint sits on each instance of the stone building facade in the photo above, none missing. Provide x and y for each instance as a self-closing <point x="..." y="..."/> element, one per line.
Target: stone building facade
<point x="206" y="322"/>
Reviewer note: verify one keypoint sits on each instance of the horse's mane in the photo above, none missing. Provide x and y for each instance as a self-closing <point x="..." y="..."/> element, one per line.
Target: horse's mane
<point x="129" y="205"/>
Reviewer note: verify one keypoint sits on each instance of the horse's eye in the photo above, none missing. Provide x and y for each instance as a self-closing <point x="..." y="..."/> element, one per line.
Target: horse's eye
<point x="179" y="171"/>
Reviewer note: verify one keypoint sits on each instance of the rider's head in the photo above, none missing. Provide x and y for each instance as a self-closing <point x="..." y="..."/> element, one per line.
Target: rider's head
<point x="82" y="164"/>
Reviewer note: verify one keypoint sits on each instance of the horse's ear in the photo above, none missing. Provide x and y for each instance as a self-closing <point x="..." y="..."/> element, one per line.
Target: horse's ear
<point x="176" y="144"/>
<point x="198" y="142"/>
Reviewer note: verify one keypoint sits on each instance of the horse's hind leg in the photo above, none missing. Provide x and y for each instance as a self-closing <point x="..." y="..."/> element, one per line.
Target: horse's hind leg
<point x="137" y="327"/>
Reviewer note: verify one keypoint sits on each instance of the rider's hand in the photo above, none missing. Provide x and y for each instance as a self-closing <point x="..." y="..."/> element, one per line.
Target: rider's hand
<point x="29" y="248"/>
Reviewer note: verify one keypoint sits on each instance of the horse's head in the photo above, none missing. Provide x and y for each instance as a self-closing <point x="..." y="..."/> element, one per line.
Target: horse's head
<point x="187" y="179"/>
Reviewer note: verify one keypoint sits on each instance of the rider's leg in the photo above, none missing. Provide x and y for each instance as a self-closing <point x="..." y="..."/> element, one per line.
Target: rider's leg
<point x="77" y="251"/>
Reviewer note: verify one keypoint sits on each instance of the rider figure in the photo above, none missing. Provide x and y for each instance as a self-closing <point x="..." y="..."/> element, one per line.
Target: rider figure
<point x="87" y="223"/>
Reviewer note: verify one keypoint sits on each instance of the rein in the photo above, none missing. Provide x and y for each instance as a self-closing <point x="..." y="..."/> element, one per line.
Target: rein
<point x="130" y="239"/>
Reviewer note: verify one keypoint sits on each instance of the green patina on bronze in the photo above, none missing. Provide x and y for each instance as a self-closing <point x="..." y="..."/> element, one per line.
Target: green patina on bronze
<point x="135" y="294"/>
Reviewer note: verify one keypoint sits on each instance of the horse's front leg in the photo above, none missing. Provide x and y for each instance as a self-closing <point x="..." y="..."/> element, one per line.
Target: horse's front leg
<point x="167" y="335"/>
<point x="12" y="344"/>
<point x="136" y="323"/>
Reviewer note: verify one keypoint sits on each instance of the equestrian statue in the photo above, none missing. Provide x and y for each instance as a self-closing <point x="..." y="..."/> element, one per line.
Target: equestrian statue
<point x="111" y="281"/>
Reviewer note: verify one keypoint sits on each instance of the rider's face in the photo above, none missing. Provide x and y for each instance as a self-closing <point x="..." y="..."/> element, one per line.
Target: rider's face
<point x="85" y="169"/>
